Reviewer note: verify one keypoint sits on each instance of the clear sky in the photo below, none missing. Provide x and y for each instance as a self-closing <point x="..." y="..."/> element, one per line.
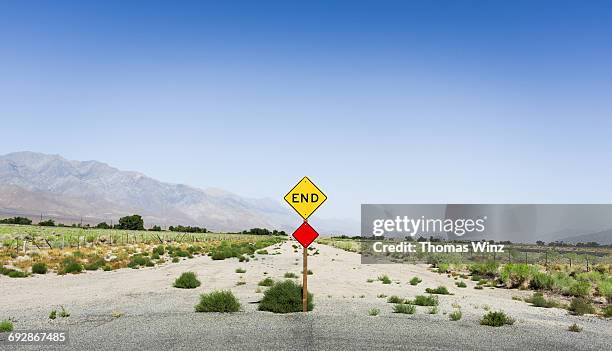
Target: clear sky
<point x="378" y="102"/>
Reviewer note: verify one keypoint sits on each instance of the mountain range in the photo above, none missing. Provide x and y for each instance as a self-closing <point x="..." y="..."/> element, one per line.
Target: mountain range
<point x="36" y="184"/>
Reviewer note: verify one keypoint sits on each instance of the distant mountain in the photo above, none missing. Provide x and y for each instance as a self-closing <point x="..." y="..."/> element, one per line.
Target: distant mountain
<point x="603" y="237"/>
<point x="34" y="183"/>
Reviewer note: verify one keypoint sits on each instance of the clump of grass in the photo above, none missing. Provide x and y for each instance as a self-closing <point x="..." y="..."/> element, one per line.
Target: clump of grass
<point x="433" y="310"/>
<point x="262" y="252"/>
<point x="64" y="312"/>
<point x="175" y="260"/>
<point x="218" y="301"/>
<point x="422" y="300"/>
<point x="575" y="328"/>
<point x="580" y="306"/>
<point x="404" y="308"/>
<point x="266" y="282"/>
<point x="381" y="296"/>
<point x="308" y="272"/>
<point x="6" y="326"/>
<point x="478" y="287"/>
<point x="385" y="279"/>
<point x="461" y="284"/>
<point x="285" y="297"/>
<point x="395" y="299"/>
<point x="580" y="289"/>
<point x="496" y="319"/>
<point x="373" y="312"/>
<point x="517" y="298"/>
<point x="415" y="281"/>
<point x="290" y="275"/>
<point x="187" y="280"/>
<point x="241" y="282"/>
<point x="70" y="265"/>
<point x="240" y="270"/>
<point x="39" y="268"/>
<point x="53" y="314"/>
<point x="538" y="300"/>
<point x="441" y="290"/>
<point x="13" y="273"/>
<point x="370" y="280"/>
<point x="455" y="315"/>
<point x="607" y="311"/>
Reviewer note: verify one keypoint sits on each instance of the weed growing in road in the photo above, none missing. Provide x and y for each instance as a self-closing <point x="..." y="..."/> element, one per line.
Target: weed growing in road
<point x="241" y="282"/>
<point x="266" y="282"/>
<point x="517" y="298"/>
<point x="415" y="281"/>
<point x="240" y="270"/>
<point x="455" y="315"/>
<point x="308" y="272"/>
<point x="39" y="268"/>
<point x="461" y="284"/>
<point x="116" y="314"/>
<point x="395" y="299"/>
<point x="422" y="300"/>
<point x="261" y="252"/>
<point x="433" y="310"/>
<point x="478" y="287"/>
<point x="187" y="280"/>
<point x="370" y="280"/>
<point x="290" y="275"/>
<point x="373" y="312"/>
<point x="381" y="296"/>
<point x="496" y="319"/>
<point x="218" y="301"/>
<point x="53" y="314"/>
<point x="538" y="300"/>
<point x="441" y="290"/>
<point x="580" y="306"/>
<point x="385" y="279"/>
<point x="175" y="260"/>
<point x="285" y="297"/>
<point x="575" y="328"/>
<point x="64" y="312"/>
<point x="6" y="326"/>
<point x="404" y="308"/>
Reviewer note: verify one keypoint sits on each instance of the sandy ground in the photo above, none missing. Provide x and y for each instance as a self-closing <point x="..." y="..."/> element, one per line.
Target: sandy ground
<point x="154" y="315"/>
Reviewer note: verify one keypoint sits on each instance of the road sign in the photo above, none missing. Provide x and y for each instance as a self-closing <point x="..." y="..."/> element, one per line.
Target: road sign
<point x="305" y="197"/>
<point x="305" y="234"/>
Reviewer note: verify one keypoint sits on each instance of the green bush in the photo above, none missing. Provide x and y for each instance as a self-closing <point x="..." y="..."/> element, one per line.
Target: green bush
<point x="240" y="270"/>
<point x="373" y="312"/>
<point x="575" y="328"/>
<point x="422" y="300"/>
<point x="70" y="265"/>
<point x="187" y="280"/>
<point x="415" y="281"/>
<point x="261" y="252"/>
<point x="6" y="326"/>
<point x="607" y="311"/>
<point x="159" y="250"/>
<point x="385" y="279"/>
<point x="218" y="301"/>
<point x="39" y="268"/>
<point x="580" y="289"/>
<point x="515" y="275"/>
<point x="488" y="269"/>
<point x="12" y="273"/>
<point x="266" y="282"/>
<point x="541" y="281"/>
<point x="580" y="306"/>
<point x="538" y="300"/>
<point x="290" y="275"/>
<point x="285" y="297"/>
<point x="395" y="299"/>
<point x="443" y="268"/>
<point x="53" y="314"/>
<point x="441" y="290"/>
<point x="404" y="308"/>
<point x="604" y="288"/>
<point x="455" y="315"/>
<point x="496" y="319"/>
<point x="175" y="260"/>
<point x="461" y="284"/>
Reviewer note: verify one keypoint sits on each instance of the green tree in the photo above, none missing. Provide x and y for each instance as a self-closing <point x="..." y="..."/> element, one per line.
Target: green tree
<point x="133" y="222"/>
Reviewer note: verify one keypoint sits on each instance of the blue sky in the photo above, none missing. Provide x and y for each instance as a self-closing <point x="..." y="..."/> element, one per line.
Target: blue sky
<point x="378" y="102"/>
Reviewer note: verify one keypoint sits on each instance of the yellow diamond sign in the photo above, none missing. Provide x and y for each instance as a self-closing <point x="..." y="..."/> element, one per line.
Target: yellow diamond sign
<point x="305" y="197"/>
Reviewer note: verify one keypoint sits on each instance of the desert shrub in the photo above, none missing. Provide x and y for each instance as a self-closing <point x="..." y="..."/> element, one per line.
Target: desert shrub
<point x="6" y="326"/>
<point x="441" y="290"/>
<point x="385" y="279"/>
<point x="496" y="319"/>
<point x="155" y="256"/>
<point x="266" y="282"/>
<point x="422" y="300"/>
<point x="580" y="288"/>
<point x="607" y="311"/>
<point x="580" y="306"/>
<point x="218" y="301"/>
<point x="488" y="269"/>
<point x="604" y="288"/>
<point x="395" y="299"/>
<point x="443" y="267"/>
<point x="415" y="281"/>
<point x="70" y="265"/>
<point x="240" y="270"/>
<point x="433" y="310"/>
<point x="290" y="275"/>
<point x="53" y="314"/>
<point x="159" y="250"/>
<point x="373" y="312"/>
<point x="538" y="300"/>
<point x="561" y="282"/>
<point x="175" y="260"/>
<point x="404" y="308"/>
<point x="478" y="287"/>
<point x="64" y="312"/>
<point x="461" y="284"/>
<point x="39" y="268"/>
<point x="541" y="281"/>
<point x="137" y="261"/>
<point x="285" y="297"/>
<point x="455" y="315"/>
<point x="261" y="252"/>
<point x="575" y="328"/>
<point x="95" y="264"/>
<point x="187" y="280"/>
<point x="515" y="275"/>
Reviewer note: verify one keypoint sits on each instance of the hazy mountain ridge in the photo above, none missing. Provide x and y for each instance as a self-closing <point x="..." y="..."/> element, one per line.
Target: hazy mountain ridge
<point x="50" y="184"/>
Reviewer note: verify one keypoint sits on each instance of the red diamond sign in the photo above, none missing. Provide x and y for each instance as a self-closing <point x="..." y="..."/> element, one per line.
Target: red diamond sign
<point x="305" y="234"/>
